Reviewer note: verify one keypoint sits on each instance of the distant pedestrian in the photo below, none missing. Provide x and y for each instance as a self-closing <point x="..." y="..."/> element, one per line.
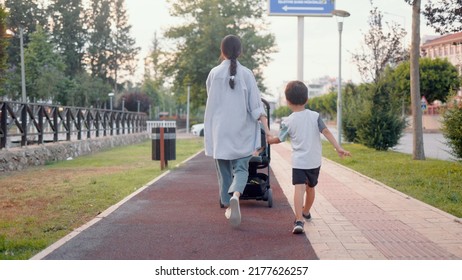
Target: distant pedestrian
<point x="232" y="129"/>
<point x="303" y="127"/>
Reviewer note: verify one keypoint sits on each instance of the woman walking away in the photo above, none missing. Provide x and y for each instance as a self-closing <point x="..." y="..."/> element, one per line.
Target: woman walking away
<point x="232" y="128"/>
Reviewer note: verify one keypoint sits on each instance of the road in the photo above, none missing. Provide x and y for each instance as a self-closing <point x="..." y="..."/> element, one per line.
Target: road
<point x="434" y="145"/>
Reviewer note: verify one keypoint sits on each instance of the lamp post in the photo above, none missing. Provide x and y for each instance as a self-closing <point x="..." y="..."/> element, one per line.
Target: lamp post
<point x="340" y="15"/>
<point x="123" y="104"/>
<point x="138" y="106"/>
<point x="111" y="95"/>
<point x="187" y="108"/>
<point x="10" y="33"/>
<point x="300" y="47"/>
<point x="23" y="72"/>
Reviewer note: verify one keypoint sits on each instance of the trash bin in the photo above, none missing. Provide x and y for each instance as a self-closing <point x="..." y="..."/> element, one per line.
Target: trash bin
<point x="169" y="143"/>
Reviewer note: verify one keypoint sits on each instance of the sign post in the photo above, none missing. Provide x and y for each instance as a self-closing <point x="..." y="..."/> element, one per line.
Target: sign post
<point x="301" y="9"/>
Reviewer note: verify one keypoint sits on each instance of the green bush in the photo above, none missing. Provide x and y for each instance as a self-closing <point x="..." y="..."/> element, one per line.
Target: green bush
<point x="326" y="105"/>
<point x="354" y="104"/>
<point x="282" y="111"/>
<point x="452" y="128"/>
<point x="371" y="118"/>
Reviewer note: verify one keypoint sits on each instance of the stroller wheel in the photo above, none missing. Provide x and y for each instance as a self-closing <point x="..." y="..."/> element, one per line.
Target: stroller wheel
<point x="270" y="198"/>
<point x="265" y="195"/>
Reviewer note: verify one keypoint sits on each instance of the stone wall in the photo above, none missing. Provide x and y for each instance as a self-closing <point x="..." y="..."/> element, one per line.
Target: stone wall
<point x="17" y="159"/>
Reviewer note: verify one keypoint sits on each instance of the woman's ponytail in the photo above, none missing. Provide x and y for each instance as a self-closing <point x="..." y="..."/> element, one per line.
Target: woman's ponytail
<point x="231" y="49"/>
<point x="232" y="72"/>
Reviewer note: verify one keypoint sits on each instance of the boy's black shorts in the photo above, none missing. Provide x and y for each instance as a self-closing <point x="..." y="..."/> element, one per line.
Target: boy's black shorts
<point x="305" y="176"/>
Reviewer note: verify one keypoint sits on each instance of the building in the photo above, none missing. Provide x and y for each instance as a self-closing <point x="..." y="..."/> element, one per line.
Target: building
<point x="446" y="46"/>
<point x="316" y="87"/>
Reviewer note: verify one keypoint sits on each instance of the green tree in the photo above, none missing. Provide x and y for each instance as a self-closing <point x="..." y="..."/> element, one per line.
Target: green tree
<point x="444" y="15"/>
<point x="356" y="99"/>
<point x="3" y="45"/>
<point x="27" y="15"/>
<point x="282" y="111"/>
<point x="438" y="78"/>
<point x="372" y="118"/>
<point x="155" y="59"/>
<point x="99" y="44"/>
<point x="89" y="91"/>
<point x="124" y="52"/>
<point x="154" y="91"/>
<point x="69" y="33"/>
<point x="133" y="99"/>
<point x="325" y="104"/>
<point x="153" y="84"/>
<point x="380" y="125"/>
<point x="198" y="41"/>
<point x="380" y="49"/>
<point x="452" y="128"/>
<point x="45" y="68"/>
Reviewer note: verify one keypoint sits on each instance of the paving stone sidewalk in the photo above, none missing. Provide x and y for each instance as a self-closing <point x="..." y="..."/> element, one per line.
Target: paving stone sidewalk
<point x="358" y="218"/>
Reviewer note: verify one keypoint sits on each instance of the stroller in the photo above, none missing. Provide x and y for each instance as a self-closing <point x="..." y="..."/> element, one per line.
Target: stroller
<point x="258" y="183"/>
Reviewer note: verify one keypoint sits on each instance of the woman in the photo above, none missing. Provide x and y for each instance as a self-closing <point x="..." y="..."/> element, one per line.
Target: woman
<point x="232" y="129"/>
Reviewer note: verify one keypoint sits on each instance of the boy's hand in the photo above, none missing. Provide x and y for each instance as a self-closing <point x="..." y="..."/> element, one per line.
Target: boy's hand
<point x="343" y="153"/>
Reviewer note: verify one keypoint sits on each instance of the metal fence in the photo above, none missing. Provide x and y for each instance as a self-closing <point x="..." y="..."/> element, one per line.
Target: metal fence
<point x="23" y="124"/>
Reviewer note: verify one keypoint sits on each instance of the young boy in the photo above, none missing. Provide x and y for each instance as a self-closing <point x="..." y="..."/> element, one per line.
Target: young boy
<point x="303" y="127"/>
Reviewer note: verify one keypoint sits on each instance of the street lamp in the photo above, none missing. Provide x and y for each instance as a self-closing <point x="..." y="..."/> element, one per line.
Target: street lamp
<point x="111" y="95"/>
<point x="23" y="71"/>
<point x="187" y="108"/>
<point x="339" y="15"/>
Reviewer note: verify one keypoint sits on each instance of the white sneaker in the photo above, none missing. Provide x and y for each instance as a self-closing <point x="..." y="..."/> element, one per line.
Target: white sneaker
<point x="235" y="216"/>
<point x="228" y="213"/>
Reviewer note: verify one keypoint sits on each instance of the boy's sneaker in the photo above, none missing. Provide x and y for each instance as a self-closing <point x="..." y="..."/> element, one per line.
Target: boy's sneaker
<point x="307" y="216"/>
<point x="298" y="227"/>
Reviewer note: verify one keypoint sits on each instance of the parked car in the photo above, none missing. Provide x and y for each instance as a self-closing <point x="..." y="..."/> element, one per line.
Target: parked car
<point x="198" y="129"/>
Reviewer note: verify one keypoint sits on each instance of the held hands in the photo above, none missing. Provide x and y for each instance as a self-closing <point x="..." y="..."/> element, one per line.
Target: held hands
<point x="270" y="139"/>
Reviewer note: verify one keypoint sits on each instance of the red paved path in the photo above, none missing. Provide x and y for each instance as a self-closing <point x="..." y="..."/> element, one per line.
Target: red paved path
<point x="178" y="217"/>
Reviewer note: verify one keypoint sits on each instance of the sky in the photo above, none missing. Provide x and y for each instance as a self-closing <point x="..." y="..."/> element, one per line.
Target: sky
<point x="321" y="37"/>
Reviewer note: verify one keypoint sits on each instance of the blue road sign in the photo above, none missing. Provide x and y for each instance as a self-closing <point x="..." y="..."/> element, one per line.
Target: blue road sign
<point x="315" y="8"/>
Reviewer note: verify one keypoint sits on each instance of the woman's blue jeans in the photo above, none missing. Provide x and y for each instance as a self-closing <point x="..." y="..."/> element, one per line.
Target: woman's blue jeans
<point x="232" y="177"/>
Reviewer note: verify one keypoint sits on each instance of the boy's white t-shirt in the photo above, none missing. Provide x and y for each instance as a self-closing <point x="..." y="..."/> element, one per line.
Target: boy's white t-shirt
<point x="304" y="128"/>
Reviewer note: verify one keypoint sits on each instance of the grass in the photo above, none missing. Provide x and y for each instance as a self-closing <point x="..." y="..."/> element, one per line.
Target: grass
<point x="435" y="182"/>
<point x="40" y="205"/>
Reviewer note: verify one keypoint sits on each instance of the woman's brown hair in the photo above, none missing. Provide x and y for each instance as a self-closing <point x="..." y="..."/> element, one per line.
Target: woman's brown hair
<point x="231" y="49"/>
